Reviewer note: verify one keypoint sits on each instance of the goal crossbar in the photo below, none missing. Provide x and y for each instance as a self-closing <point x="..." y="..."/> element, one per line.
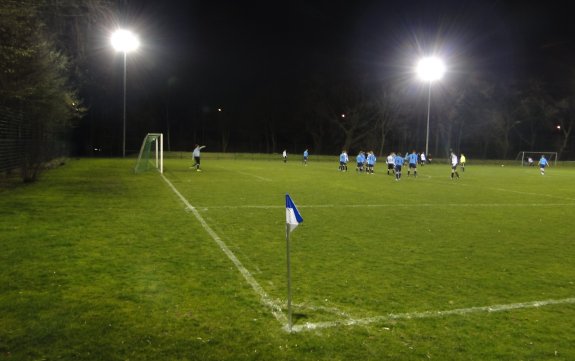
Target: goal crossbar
<point x="524" y="156"/>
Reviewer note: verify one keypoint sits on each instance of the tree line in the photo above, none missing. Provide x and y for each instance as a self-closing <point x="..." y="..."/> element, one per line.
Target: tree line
<point x="43" y="62"/>
<point x="480" y="116"/>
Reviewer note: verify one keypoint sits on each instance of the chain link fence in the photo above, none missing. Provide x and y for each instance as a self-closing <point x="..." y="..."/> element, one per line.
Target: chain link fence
<point x="21" y="141"/>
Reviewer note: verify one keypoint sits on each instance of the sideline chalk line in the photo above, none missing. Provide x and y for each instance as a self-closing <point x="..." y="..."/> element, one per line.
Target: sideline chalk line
<point x="391" y="205"/>
<point x="431" y="314"/>
<point x="264" y="298"/>
<point x="276" y="309"/>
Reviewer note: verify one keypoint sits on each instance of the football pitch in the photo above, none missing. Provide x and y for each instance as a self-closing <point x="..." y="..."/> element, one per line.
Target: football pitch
<point x="101" y="263"/>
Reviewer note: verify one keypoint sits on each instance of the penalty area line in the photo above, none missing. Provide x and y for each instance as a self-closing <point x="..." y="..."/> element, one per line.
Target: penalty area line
<point x="264" y="298"/>
<point x="431" y="314"/>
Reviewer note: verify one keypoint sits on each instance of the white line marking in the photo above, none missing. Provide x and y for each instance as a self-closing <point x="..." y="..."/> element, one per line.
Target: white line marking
<point x="510" y="191"/>
<point x="430" y="314"/>
<point x="531" y="194"/>
<point x="256" y="176"/>
<point x="264" y="298"/>
<point x="391" y="205"/>
<point x="246" y="174"/>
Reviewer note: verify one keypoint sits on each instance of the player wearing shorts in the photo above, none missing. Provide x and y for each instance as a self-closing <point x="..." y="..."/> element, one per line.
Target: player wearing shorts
<point x="343" y="159"/>
<point x="370" y="162"/>
<point x="412" y="158"/>
<point x="454" y="162"/>
<point x="542" y="164"/>
<point x="390" y="163"/>
<point x="360" y="160"/>
<point x="398" y="162"/>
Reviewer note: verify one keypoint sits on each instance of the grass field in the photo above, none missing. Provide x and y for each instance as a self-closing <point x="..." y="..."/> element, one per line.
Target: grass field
<point x="100" y="264"/>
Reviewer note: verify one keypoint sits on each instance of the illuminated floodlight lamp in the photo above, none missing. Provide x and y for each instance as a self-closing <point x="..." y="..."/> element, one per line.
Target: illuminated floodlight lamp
<point x="430" y="69"/>
<point x="125" y="41"/>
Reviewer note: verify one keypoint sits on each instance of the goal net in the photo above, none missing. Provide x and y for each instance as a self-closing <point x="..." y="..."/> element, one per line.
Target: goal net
<point x="532" y="158"/>
<point x="151" y="154"/>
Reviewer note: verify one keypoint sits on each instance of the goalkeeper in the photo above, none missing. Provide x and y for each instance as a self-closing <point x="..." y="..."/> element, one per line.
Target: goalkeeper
<point x="196" y="155"/>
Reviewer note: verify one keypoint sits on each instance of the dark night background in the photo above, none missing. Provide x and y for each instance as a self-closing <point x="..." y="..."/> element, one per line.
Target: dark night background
<point x="258" y="62"/>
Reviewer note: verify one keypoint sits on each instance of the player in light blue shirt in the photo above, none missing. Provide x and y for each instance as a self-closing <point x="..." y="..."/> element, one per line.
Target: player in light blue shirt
<point x="370" y="162"/>
<point x="398" y="164"/>
<point x="305" y="155"/>
<point x="412" y="158"/>
<point x="360" y="160"/>
<point x="542" y="164"/>
<point x="343" y="159"/>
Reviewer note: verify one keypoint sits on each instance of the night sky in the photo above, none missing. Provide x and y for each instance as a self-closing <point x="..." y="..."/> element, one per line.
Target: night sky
<point x="226" y="46"/>
<point x="211" y="54"/>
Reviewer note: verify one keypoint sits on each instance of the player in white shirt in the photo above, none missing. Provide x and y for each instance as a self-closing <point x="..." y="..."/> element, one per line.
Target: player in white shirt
<point x="454" y="162"/>
<point x="391" y="163"/>
<point x="196" y="154"/>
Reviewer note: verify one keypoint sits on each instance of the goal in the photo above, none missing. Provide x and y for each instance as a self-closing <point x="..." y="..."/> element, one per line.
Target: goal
<point x="153" y="142"/>
<point x="524" y="157"/>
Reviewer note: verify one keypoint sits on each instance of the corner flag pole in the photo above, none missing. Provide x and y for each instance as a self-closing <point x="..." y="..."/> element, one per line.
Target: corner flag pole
<point x="293" y="219"/>
<point x="288" y="277"/>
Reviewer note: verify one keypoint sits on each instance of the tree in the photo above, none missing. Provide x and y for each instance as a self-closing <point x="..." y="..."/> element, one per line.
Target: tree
<point x="387" y="112"/>
<point x="351" y="110"/>
<point x="503" y="115"/>
<point x="536" y="109"/>
<point x="566" y="117"/>
<point x="34" y="83"/>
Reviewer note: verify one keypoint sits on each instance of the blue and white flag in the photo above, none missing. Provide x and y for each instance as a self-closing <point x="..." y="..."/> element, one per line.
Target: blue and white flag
<point x="293" y="218"/>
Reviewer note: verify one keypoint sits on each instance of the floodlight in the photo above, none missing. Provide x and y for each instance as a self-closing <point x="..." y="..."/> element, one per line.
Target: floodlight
<point x="430" y="69"/>
<point x="125" y="41"/>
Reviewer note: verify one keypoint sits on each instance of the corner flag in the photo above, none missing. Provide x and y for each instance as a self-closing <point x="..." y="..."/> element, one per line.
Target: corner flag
<point x="293" y="218"/>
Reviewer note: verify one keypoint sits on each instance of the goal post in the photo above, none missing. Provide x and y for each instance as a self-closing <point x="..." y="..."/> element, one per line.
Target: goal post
<point x="153" y="142"/>
<point x="524" y="157"/>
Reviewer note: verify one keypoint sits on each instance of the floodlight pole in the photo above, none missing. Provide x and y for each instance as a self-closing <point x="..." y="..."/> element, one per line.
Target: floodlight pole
<point x="288" y="278"/>
<point x="124" y="111"/>
<point x="428" y="111"/>
<point x="429" y="69"/>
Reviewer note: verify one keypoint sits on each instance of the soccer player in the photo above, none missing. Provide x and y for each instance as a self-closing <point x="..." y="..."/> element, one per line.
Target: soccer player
<point x="398" y="163"/>
<point x="412" y="158"/>
<point x="360" y="160"/>
<point x="454" y="162"/>
<point x="462" y="162"/>
<point x="284" y="154"/>
<point x="370" y="162"/>
<point x="422" y="158"/>
<point x="390" y="163"/>
<point x="343" y="159"/>
<point x="196" y="155"/>
<point x="542" y="164"/>
<point x="530" y="162"/>
<point x="305" y="155"/>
